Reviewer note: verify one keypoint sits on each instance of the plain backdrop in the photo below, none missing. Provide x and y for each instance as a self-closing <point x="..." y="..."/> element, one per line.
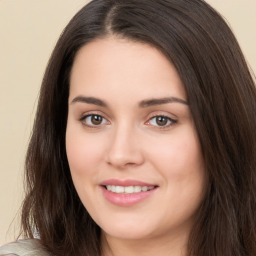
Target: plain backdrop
<point x="29" y="30"/>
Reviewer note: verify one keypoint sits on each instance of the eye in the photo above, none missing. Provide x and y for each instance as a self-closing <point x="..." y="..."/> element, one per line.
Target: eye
<point x="161" y="121"/>
<point x="93" y="120"/>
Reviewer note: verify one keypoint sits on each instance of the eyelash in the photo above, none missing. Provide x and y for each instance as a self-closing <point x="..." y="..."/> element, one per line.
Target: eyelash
<point x="83" y="120"/>
<point x="170" y="121"/>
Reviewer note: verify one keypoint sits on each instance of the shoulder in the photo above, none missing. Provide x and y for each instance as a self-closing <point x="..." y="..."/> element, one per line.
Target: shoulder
<point x="28" y="247"/>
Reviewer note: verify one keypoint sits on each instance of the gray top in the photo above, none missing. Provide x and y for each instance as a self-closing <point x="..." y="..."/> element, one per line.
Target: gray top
<point x="29" y="247"/>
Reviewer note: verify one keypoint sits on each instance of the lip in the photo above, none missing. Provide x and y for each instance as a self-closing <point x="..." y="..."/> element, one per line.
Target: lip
<point x="126" y="183"/>
<point x="123" y="199"/>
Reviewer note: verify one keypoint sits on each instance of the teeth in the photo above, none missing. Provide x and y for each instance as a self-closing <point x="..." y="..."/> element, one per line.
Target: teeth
<point x="144" y="188"/>
<point x="129" y="189"/>
<point x="119" y="189"/>
<point x="137" y="189"/>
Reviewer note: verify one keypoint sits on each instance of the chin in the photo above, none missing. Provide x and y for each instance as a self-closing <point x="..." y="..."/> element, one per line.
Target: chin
<point x="127" y="234"/>
<point x="128" y="230"/>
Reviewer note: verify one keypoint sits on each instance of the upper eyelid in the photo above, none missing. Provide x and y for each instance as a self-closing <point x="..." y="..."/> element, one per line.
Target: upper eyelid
<point x="147" y="117"/>
<point x="155" y="116"/>
<point x="162" y="113"/>
<point x="88" y="113"/>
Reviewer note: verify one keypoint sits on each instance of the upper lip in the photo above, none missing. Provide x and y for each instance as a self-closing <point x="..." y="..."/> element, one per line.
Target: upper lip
<point x="126" y="183"/>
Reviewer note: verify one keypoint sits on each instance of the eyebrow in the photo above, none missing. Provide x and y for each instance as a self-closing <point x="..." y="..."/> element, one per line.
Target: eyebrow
<point x="153" y="102"/>
<point x="142" y="104"/>
<point x="89" y="100"/>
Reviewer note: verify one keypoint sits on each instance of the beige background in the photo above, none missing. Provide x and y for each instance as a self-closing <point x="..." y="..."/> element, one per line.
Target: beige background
<point x="28" y="32"/>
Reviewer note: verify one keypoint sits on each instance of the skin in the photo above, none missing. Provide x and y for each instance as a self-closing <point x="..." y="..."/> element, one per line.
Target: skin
<point x="129" y="143"/>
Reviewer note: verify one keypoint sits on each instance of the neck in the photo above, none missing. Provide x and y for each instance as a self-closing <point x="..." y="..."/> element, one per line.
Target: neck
<point x="164" y="246"/>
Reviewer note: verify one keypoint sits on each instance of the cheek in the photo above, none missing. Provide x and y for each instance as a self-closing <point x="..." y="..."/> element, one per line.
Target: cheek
<point x="83" y="157"/>
<point x="179" y="160"/>
<point x="181" y="165"/>
<point x="179" y="154"/>
<point x="83" y="152"/>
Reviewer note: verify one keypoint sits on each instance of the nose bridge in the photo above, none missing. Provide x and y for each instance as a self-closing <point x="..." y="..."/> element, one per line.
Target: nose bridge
<point x="124" y="148"/>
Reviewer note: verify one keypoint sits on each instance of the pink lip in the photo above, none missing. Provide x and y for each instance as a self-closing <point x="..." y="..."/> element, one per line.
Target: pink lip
<point x="126" y="199"/>
<point x="125" y="183"/>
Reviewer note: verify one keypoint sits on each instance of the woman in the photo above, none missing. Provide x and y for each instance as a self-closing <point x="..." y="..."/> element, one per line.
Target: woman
<point x="144" y="137"/>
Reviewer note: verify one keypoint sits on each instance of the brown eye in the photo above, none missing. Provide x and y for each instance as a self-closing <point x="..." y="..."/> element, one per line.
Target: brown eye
<point x="96" y="119"/>
<point x="161" y="121"/>
<point x="93" y="120"/>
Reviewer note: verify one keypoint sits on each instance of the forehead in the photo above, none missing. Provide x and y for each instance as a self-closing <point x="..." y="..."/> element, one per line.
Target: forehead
<point x="119" y="64"/>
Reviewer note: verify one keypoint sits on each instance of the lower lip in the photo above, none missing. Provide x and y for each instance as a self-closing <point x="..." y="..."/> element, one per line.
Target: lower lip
<point x="126" y="199"/>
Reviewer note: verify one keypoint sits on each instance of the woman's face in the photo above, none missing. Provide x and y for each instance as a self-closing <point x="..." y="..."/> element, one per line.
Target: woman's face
<point x="131" y="143"/>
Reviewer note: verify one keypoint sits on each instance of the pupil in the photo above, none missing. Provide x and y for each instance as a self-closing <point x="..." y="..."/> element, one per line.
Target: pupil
<point x="96" y="120"/>
<point x="160" y="120"/>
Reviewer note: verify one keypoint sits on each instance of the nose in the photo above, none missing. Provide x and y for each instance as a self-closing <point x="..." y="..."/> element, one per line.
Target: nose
<point x="124" y="148"/>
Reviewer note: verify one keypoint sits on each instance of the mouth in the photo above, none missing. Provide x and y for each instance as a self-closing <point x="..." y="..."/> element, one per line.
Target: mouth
<point x="128" y="189"/>
<point x="127" y="192"/>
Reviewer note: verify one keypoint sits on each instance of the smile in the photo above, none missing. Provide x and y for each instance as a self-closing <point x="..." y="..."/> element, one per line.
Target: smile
<point x="127" y="192"/>
<point x="128" y="189"/>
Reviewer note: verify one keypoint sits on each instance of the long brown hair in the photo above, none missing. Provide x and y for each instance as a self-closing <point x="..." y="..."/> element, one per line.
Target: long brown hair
<point x="222" y="98"/>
